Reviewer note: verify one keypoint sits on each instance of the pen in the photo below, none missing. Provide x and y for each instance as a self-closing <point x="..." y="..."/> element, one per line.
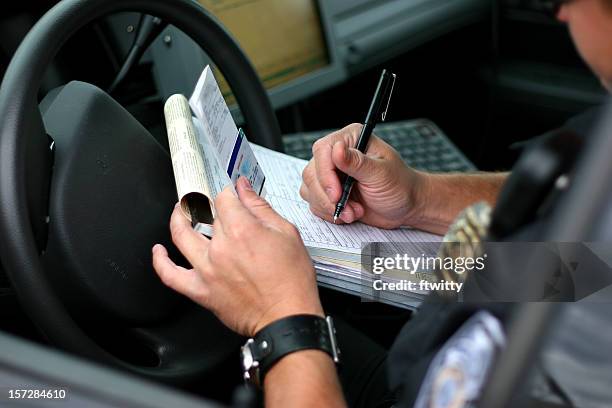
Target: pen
<point x="381" y="99"/>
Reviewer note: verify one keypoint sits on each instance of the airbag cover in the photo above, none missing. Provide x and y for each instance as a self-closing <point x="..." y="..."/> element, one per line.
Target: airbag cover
<point x="112" y="192"/>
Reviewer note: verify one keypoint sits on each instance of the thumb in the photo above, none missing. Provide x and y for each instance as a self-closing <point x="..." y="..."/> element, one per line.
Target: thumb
<point x="254" y="203"/>
<point x="352" y="162"/>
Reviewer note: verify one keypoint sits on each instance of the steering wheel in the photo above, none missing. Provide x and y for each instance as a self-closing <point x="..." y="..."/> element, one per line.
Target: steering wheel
<point x="76" y="240"/>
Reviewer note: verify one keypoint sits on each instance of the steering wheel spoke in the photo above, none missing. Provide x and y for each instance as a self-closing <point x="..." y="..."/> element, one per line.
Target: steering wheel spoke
<point x="194" y="340"/>
<point x="39" y="159"/>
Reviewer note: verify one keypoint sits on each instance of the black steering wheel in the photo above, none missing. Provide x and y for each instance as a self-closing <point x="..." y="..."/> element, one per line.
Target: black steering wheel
<point x="77" y="227"/>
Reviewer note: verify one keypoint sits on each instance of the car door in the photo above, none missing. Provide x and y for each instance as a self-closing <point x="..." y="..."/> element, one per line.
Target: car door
<point x="537" y="80"/>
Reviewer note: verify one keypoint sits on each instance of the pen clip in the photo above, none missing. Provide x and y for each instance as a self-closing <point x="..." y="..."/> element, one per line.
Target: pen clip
<point x="384" y="114"/>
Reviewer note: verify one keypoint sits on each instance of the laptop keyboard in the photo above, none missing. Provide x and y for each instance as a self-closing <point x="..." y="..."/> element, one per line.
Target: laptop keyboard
<point x="420" y="143"/>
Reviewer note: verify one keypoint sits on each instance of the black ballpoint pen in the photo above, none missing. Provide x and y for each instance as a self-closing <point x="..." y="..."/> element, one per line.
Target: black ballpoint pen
<point x="382" y="98"/>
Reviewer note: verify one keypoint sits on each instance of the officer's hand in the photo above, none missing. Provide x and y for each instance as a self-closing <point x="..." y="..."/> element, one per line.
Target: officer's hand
<point x="254" y="270"/>
<point x="387" y="193"/>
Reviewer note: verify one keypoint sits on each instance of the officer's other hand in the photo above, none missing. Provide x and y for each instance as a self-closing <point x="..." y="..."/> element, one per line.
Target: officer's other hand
<point x="254" y="270"/>
<point x="387" y="193"/>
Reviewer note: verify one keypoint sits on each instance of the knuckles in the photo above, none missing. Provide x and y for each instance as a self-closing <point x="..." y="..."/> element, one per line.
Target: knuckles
<point x="259" y="204"/>
<point x="316" y="146"/>
<point x="166" y="278"/>
<point x="308" y="174"/>
<point x="291" y="230"/>
<point x="239" y="230"/>
<point x="177" y="231"/>
<point x="353" y="131"/>
<point x="223" y="196"/>
<point x="216" y="253"/>
<point x="353" y="128"/>
<point x="357" y="160"/>
<point x="220" y="199"/>
<point x="319" y="212"/>
<point x="349" y="133"/>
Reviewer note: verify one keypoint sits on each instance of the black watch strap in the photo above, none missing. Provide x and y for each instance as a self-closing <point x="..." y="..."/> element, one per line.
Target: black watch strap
<point x="291" y="334"/>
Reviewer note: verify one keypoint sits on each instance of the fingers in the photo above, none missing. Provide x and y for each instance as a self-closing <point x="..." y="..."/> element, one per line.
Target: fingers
<point x="325" y="171"/>
<point x="352" y="212"/>
<point x="349" y="134"/>
<point x="312" y="191"/>
<point x="348" y="215"/>
<point x="358" y="209"/>
<point x="352" y="162"/>
<point x="320" y="205"/>
<point x="231" y="213"/>
<point x="321" y="186"/>
<point x="325" y="168"/>
<point x="184" y="281"/>
<point x="191" y="243"/>
<point x="255" y="204"/>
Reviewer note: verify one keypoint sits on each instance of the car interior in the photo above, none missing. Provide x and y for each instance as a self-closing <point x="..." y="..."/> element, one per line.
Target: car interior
<point x="89" y="188"/>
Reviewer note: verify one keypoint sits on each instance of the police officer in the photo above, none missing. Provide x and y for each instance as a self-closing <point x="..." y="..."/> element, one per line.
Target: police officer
<point x="257" y="277"/>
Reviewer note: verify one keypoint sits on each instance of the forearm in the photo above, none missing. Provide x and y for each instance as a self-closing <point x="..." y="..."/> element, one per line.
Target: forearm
<point x="444" y="196"/>
<point x="303" y="379"/>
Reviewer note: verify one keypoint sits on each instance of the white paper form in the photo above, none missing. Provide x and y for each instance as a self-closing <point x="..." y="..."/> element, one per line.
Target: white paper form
<point x="209" y="106"/>
<point x="285" y="177"/>
<point x="235" y="155"/>
<point x="217" y="178"/>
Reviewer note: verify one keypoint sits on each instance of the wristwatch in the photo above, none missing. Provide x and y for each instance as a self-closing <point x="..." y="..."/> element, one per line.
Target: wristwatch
<point x="286" y="336"/>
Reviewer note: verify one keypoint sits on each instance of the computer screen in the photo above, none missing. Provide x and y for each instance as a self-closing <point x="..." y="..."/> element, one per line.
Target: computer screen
<point x="284" y="39"/>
